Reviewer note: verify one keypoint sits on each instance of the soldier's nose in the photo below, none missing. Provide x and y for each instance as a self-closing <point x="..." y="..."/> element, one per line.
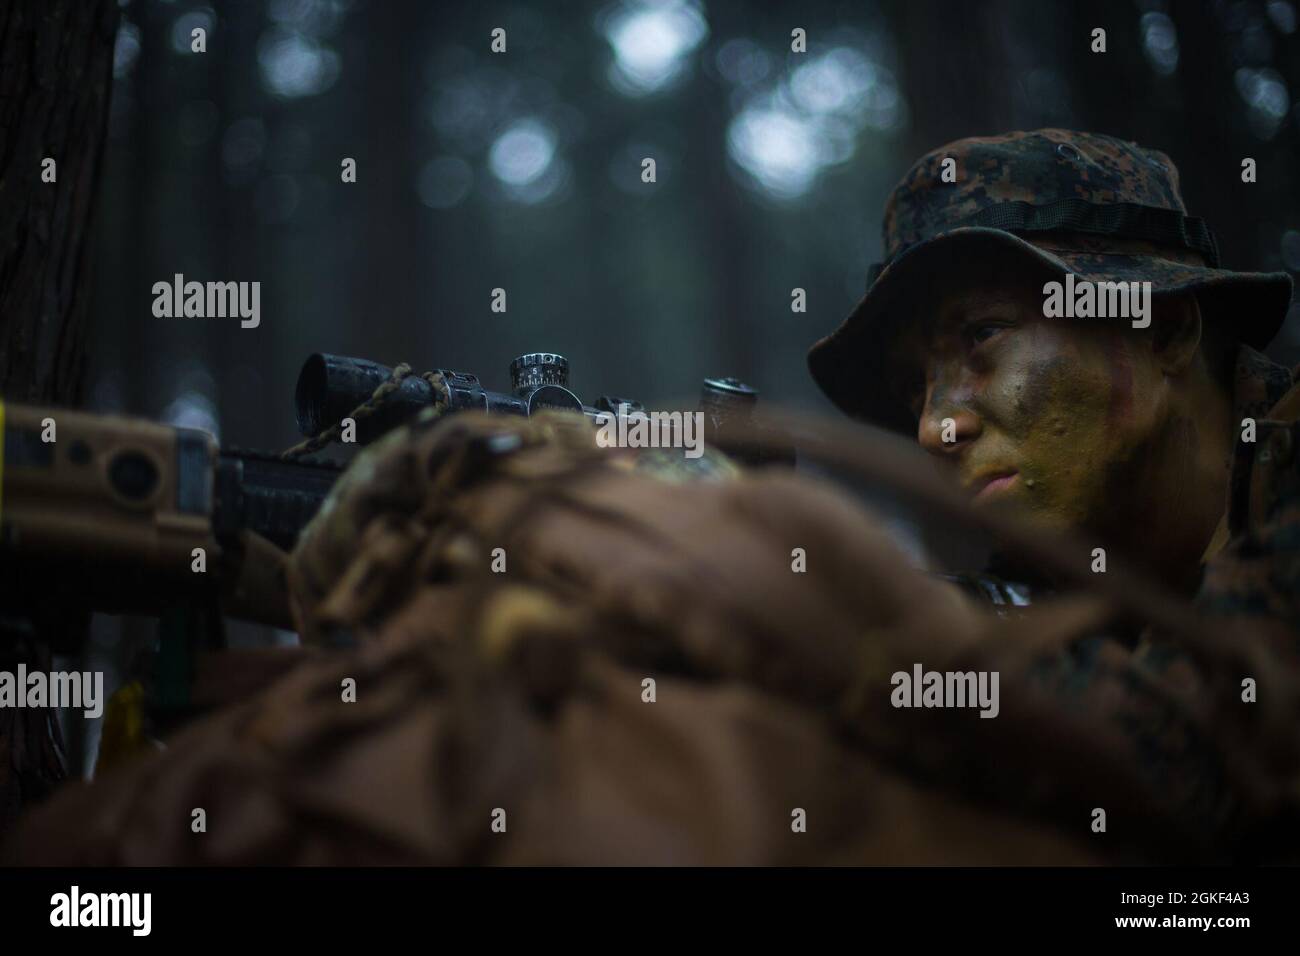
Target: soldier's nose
<point x="945" y="430"/>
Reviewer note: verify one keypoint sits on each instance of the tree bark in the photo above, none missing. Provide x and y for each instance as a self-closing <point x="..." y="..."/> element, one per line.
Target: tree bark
<point x="56" y="59"/>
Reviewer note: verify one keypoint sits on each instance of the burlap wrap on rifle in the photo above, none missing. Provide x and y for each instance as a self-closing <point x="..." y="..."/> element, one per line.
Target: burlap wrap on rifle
<point x="522" y="689"/>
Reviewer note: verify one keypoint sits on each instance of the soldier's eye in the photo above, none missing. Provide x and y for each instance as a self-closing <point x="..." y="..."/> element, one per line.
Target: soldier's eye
<point x="978" y="333"/>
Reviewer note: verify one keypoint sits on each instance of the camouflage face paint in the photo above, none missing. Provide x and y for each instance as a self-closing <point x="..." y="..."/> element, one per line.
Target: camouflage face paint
<point x="1121" y="380"/>
<point x="1046" y="406"/>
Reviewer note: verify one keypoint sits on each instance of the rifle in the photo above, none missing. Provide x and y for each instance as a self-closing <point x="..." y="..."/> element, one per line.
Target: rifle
<point x="130" y="514"/>
<point x="121" y="515"/>
<point x="123" y="506"/>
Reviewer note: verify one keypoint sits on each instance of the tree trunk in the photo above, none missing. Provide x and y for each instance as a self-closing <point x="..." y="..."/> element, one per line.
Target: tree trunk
<point x="56" y="60"/>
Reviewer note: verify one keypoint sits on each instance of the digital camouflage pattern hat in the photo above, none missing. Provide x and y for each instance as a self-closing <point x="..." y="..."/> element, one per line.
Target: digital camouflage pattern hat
<point x="1102" y="208"/>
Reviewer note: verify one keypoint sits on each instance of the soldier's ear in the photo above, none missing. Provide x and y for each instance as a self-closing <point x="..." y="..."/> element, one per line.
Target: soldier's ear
<point x="1176" y="332"/>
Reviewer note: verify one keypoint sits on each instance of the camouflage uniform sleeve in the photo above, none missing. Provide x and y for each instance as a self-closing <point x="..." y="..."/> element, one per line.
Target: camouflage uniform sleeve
<point x="1257" y="574"/>
<point x="1219" y="736"/>
<point x="1215" y="736"/>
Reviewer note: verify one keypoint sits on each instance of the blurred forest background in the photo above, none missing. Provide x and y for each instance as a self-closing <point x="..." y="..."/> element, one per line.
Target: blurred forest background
<point x="522" y="170"/>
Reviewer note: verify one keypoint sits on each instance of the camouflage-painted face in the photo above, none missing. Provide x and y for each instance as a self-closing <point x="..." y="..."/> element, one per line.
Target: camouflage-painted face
<point x="1062" y="202"/>
<point x="1117" y="435"/>
<point x="1049" y="413"/>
